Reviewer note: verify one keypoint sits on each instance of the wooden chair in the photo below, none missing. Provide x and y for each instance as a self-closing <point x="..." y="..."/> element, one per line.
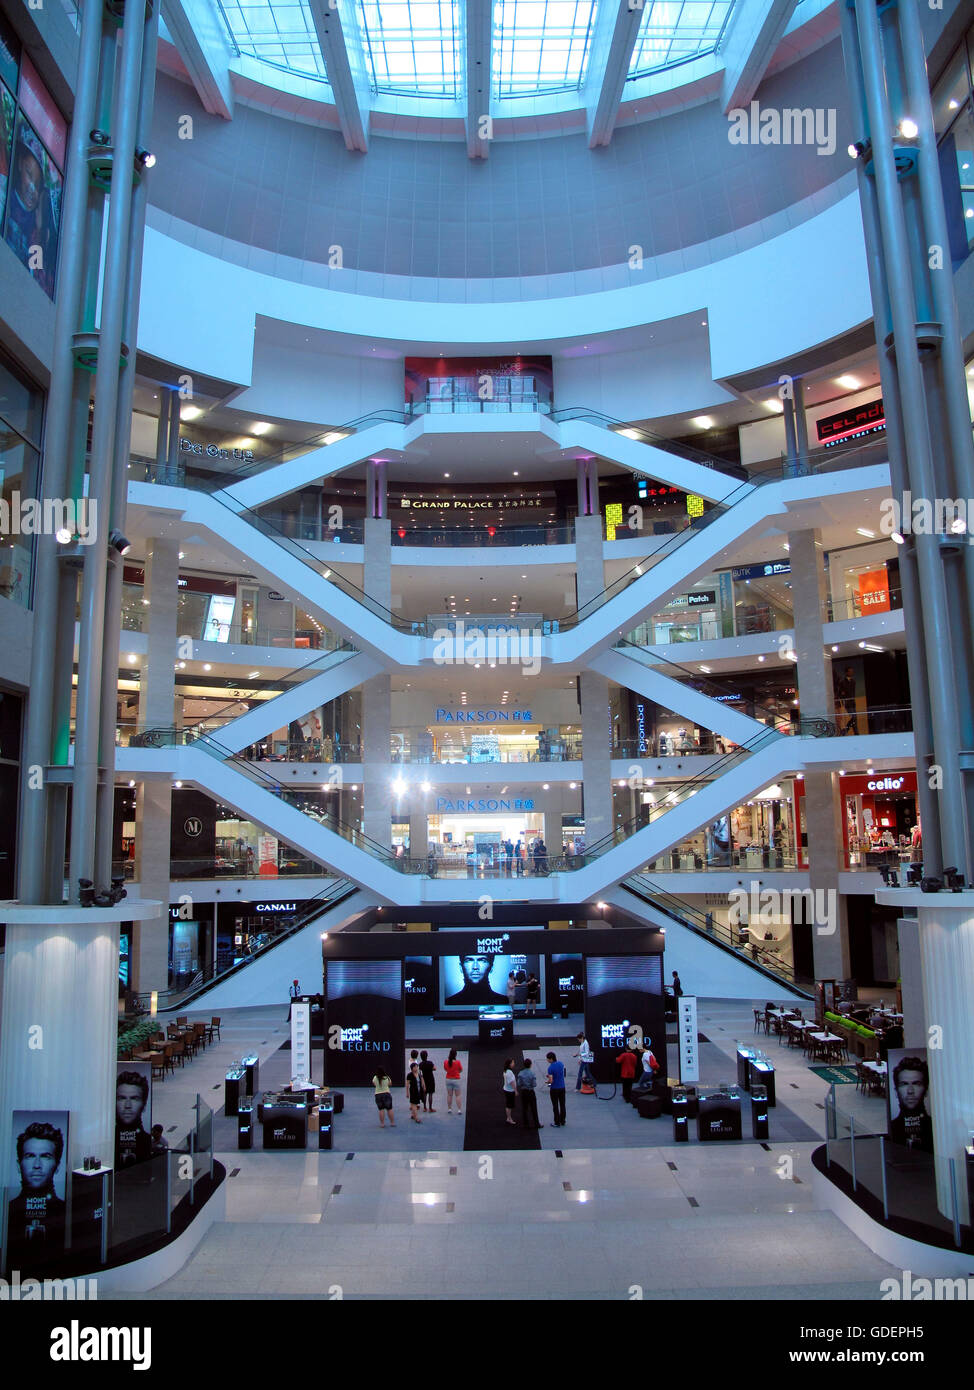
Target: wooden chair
<point x="178" y="1050"/>
<point x="159" y="1066"/>
<point x="213" y="1027"/>
<point x="182" y="1020"/>
<point x="198" y="1037"/>
<point x="759" y="1021"/>
<point x="169" y="1057"/>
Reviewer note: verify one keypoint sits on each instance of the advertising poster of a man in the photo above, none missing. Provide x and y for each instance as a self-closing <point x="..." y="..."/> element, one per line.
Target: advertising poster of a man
<point x="910" y="1122"/>
<point x="133" y="1142"/>
<point x="36" y="1215"/>
<point x="33" y="207"/>
<point x="476" y="990"/>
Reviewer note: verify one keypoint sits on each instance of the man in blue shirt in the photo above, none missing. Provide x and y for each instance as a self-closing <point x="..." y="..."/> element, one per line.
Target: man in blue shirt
<point x="556" y="1085"/>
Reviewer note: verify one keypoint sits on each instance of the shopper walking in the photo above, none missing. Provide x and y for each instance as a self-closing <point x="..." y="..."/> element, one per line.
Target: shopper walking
<point x="527" y="1084"/>
<point x="427" y="1071"/>
<point x="414" y="1092"/>
<point x="585" y="1057"/>
<point x="509" y="1087"/>
<point x="627" y="1062"/>
<point x="454" y="1070"/>
<point x="382" y="1085"/>
<point x="533" y="996"/>
<point x="556" y="1089"/>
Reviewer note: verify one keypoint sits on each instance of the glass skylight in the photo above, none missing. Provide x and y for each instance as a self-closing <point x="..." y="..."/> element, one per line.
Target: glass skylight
<point x="282" y="34"/>
<point x="412" y="47"/>
<point x="675" y="31"/>
<point x="541" y="45"/>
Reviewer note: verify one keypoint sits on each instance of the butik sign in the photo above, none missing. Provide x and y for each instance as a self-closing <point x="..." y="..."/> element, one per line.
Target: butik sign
<point x="765" y="571"/>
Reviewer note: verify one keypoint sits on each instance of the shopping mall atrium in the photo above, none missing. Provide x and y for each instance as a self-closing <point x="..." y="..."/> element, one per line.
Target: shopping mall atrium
<point x="469" y="468"/>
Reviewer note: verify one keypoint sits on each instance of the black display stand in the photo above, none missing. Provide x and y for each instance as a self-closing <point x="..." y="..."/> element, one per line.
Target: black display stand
<point x="761" y="1073"/>
<point x="90" y="1207"/>
<point x="719" y="1117"/>
<point x="325" y="1116"/>
<point x="245" y="1123"/>
<point x="759" y="1111"/>
<point x="744" y="1055"/>
<point x="285" y="1124"/>
<point x="495" y="1030"/>
<point x="681" y="1119"/>
<point x="252" y="1067"/>
<point x="234" y="1086"/>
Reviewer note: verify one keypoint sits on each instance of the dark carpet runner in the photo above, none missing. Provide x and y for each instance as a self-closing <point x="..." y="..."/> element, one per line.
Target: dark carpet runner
<point x="486" y="1128"/>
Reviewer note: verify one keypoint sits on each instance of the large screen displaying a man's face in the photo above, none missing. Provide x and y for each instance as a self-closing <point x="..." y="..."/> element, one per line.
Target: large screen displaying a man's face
<point x="472" y="980"/>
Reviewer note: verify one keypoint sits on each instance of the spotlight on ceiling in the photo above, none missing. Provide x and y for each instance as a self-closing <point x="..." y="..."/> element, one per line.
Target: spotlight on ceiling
<point x="119" y="542"/>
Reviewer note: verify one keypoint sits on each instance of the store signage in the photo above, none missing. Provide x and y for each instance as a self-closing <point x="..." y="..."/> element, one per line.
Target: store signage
<point x="706" y="598"/>
<point x="687" y="1039"/>
<point x="851" y="424"/>
<point x="872" y="786"/>
<point x="275" y="907"/>
<point x="193" y="826"/>
<point x="492" y="945"/>
<point x="641" y="726"/>
<point x="213" y="451"/>
<point x="885" y="784"/>
<point x="354" y="1040"/>
<point x="764" y="571"/>
<point x="471" y="504"/>
<point x="874" y="591"/>
<point x="300" y="1042"/>
<point x="614" y="1034"/>
<point x="273" y="594"/>
<point x="481" y="804"/>
<point x="482" y="716"/>
<point x="613" y="520"/>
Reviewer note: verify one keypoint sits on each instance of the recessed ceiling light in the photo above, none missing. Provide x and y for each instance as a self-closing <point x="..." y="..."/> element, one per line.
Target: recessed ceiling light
<point x="850" y="383"/>
<point x="861" y="531"/>
<point x="261" y="427"/>
<point x="190" y="412"/>
<point x="207" y="667"/>
<point x="703" y="422"/>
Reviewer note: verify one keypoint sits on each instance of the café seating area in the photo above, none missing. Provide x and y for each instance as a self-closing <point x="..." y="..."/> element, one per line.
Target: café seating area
<point x="173" y="1046"/>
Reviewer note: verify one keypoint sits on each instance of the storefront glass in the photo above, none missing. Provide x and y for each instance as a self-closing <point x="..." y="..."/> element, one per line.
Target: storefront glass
<point x="21" y="411"/>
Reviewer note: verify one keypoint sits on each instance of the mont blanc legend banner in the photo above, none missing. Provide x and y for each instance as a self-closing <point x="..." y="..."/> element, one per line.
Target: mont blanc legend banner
<point x="365" y="1021"/>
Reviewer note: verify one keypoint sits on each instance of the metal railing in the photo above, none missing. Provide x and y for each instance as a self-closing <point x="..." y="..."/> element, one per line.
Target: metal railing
<point x="740" y="943"/>
<point x="331" y="896"/>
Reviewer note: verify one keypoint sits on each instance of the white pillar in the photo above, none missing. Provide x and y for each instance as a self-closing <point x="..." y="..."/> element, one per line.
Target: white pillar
<point x="59" y="1024"/>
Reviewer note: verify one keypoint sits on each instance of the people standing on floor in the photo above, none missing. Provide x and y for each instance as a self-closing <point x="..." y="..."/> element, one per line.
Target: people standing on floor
<point x="627" y="1062"/>
<point x="382" y="1085"/>
<point x="511" y="989"/>
<point x="427" y="1071"/>
<point x="454" y="1070"/>
<point x="542" y="860"/>
<point x="526" y="1085"/>
<point x="414" y="1092"/>
<point x="509" y="854"/>
<point x="677" y="986"/>
<point x="533" y="996"/>
<point x="509" y="1087"/>
<point x="556" y="1089"/>
<point x="585" y="1057"/>
<point x="519" y="859"/>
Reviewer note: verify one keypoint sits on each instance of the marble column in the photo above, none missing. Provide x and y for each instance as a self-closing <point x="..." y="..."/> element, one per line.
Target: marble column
<point x="823" y="808"/>
<point x="593" y="688"/>
<point x="153" y="799"/>
<point x="377" y="774"/>
<point x="418" y="828"/>
<point x="911" y="986"/>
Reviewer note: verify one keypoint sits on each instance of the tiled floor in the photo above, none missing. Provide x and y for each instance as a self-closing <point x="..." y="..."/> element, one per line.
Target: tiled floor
<point x="673" y="1221"/>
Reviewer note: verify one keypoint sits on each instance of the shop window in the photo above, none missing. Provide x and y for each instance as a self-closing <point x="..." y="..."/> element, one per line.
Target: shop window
<point x="33" y="137"/>
<point x="21" y="406"/>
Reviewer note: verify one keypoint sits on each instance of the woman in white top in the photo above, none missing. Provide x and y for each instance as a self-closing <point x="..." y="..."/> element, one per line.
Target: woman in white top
<point x="510" y="1091"/>
<point x="511" y="989"/>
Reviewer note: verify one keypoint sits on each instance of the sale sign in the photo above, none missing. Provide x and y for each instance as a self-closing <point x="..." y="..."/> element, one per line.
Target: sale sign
<point x="874" y="592"/>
